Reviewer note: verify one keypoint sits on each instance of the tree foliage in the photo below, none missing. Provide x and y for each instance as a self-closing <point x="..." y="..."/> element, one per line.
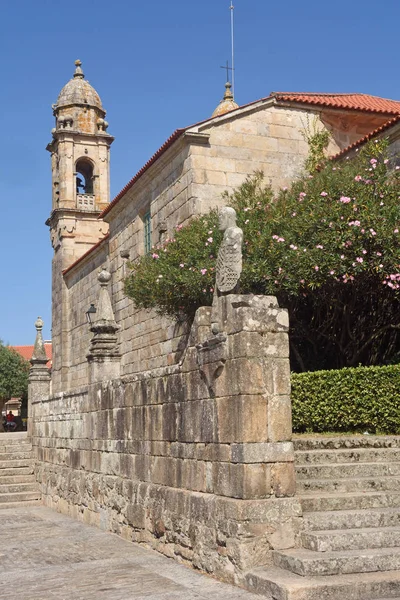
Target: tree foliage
<point x="327" y="247"/>
<point x="14" y="372"/>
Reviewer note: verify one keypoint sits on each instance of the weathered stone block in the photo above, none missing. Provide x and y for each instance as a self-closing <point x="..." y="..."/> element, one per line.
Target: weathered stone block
<point x="241" y="419"/>
<point x="279" y="418"/>
<point x="242" y="481"/>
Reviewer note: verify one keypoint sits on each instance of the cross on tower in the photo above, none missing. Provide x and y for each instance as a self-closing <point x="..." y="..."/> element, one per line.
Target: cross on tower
<point x="228" y="68"/>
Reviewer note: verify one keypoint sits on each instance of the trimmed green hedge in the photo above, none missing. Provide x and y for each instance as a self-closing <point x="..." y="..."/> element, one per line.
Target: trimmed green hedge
<point x="352" y="399"/>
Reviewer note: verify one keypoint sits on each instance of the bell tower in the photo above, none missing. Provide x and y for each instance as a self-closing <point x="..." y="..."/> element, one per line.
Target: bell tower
<point x="80" y="165"/>
<point x="80" y="152"/>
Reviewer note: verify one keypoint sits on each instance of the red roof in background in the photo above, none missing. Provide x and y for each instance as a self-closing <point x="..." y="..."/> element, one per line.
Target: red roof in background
<point x="360" y="102"/>
<point x="27" y="351"/>
<point x="367" y="137"/>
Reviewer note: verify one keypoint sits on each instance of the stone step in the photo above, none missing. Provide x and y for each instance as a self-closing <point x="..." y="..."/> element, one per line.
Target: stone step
<point x="351" y="539"/>
<point x="15" y="479"/>
<point x="352" y="519"/>
<point x="310" y="564"/>
<point x="346" y="442"/>
<point x="18" y="487"/>
<point x="342" y="470"/>
<point x="24" y="455"/>
<point x="320" y="501"/>
<point x="18" y="437"/>
<point x="9" y="464"/>
<point x="18" y="504"/>
<point x="10" y="448"/>
<point x="361" y="484"/>
<point x="357" y="455"/>
<point x="279" y="584"/>
<point x="20" y="496"/>
<point x="17" y="471"/>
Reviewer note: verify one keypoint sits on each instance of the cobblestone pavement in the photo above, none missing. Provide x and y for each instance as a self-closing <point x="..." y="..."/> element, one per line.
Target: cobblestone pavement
<point x="47" y="556"/>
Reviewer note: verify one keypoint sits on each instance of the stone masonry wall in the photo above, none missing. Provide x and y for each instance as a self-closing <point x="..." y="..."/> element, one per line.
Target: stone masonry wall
<point x="195" y="459"/>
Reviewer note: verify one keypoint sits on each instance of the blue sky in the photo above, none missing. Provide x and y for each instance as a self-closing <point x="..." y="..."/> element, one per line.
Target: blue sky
<point x="156" y="67"/>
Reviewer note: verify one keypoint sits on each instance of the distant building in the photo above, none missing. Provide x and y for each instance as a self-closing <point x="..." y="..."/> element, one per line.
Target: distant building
<point x="26" y="352"/>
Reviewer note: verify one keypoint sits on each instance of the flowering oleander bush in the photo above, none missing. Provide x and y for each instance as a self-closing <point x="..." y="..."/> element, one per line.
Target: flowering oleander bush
<point x="327" y="247"/>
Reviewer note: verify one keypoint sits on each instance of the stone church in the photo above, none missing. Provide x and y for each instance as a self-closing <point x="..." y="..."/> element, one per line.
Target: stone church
<point x="185" y="177"/>
<point x="182" y="439"/>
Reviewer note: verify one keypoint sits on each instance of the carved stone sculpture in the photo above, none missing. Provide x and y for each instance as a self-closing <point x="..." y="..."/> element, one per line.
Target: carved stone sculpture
<point x="229" y="260"/>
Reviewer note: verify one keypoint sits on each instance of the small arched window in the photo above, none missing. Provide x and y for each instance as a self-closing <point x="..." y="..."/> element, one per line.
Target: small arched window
<point x="84" y="177"/>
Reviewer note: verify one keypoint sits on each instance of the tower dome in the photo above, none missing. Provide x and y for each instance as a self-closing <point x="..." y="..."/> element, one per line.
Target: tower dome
<point x="78" y="91"/>
<point x="227" y="103"/>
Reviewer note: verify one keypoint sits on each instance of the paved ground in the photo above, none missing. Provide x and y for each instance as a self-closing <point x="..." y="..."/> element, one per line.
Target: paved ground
<point x="46" y="556"/>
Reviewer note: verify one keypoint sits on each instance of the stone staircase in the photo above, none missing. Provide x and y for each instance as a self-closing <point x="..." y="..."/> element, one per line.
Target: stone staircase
<point x="350" y="539"/>
<point x="17" y="481"/>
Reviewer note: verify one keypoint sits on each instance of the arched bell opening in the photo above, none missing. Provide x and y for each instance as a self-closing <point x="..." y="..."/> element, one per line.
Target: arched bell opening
<point x="84" y="177"/>
<point x="84" y="173"/>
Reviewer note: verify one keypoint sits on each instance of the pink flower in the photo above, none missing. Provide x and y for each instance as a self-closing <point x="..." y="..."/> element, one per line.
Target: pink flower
<point x="364" y="252"/>
<point x="281" y="239"/>
<point x="342" y="256"/>
<point x="181" y="265"/>
<point x="379" y="254"/>
<point x="324" y="194"/>
<point x="359" y="259"/>
<point x="316" y="267"/>
<point x="155" y="256"/>
<point x="210" y="240"/>
<point x="373" y="161"/>
<point x="246" y="221"/>
<point x="345" y="200"/>
<point x="284" y="189"/>
<point x="372" y="232"/>
<point x="357" y="178"/>
<point x="331" y="272"/>
<point x="385" y="162"/>
<point x="319" y="247"/>
<point x="395" y="231"/>
<point x="203" y="271"/>
<point x="294" y="214"/>
<point x="293" y="247"/>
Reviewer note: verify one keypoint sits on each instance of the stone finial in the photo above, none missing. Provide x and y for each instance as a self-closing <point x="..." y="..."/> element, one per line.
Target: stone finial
<point x="229" y="260"/>
<point x="227" y="103"/>
<point x="105" y="312"/>
<point x="104" y="351"/>
<point x="39" y="351"/>
<point x="78" y="69"/>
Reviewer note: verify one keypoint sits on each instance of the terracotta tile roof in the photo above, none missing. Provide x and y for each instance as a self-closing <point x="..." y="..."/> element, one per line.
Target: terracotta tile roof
<point x="27" y="351"/>
<point x="359" y="102"/>
<point x="367" y="137"/>
<point x="92" y="249"/>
